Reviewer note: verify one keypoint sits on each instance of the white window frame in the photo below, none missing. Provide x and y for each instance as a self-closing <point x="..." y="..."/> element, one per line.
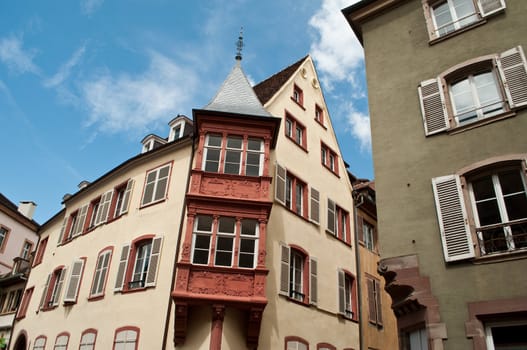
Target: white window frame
<point x="196" y="233"/>
<point x="294" y="271"/>
<point x="61" y="343"/>
<point x="141" y="263"/>
<point x="173" y="136"/>
<point x="225" y="235"/>
<point x="233" y="150"/>
<point x="488" y="330"/>
<point x="254" y="238"/>
<point x="155" y="182"/>
<point x="260" y="153"/>
<point x="208" y="147"/>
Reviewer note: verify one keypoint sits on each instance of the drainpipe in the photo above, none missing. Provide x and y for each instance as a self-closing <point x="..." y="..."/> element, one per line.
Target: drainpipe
<point x="357" y="196"/>
<point x="180" y="233"/>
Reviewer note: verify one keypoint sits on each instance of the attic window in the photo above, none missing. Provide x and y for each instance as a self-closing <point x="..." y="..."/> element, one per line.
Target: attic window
<point x="176" y="131"/>
<point x="298" y="95"/>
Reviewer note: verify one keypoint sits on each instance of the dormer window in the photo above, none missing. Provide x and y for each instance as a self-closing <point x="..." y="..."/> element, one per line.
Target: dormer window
<point x="176" y="131"/>
<point x="151" y="142"/>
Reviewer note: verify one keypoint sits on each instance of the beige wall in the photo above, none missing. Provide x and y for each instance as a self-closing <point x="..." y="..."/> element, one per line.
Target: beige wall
<point x="18" y="234"/>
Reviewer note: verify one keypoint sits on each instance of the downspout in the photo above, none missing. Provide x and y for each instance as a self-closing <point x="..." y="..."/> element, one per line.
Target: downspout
<point x="357" y="262"/>
<point x="180" y="233"/>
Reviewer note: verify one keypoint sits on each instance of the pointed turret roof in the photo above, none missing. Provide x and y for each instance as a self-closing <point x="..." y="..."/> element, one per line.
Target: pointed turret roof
<point x="237" y="96"/>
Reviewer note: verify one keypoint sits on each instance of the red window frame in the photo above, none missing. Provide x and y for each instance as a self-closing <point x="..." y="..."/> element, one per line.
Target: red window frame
<point x="55" y="276"/>
<point x="294" y="338"/>
<point x="298" y="95"/>
<point x="293" y="201"/>
<point x="89" y="331"/>
<point x="127" y="328"/>
<point x="325" y="346"/>
<point x="40" y="251"/>
<point x="6" y="236"/>
<point x="326" y="156"/>
<point x="319" y="115"/>
<point x="26" y="298"/>
<point x="60" y="335"/>
<point x="41" y="337"/>
<point x="290" y="133"/>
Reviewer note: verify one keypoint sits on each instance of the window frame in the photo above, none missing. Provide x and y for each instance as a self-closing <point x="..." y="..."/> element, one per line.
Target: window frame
<point x="62" y="346"/>
<point x="24" y="304"/>
<point x="74" y="282"/>
<point x="340" y="224"/>
<point x="329" y="158"/>
<point x="40" y="346"/>
<point x="290" y="131"/>
<point x="127" y="329"/>
<point x="285" y="180"/>
<point x="298" y="96"/>
<point x="319" y="115"/>
<point x="121" y="199"/>
<point x="26" y="253"/>
<point x="347" y="295"/>
<point x="374" y="296"/>
<point x="6" y="231"/>
<point x="83" y="334"/>
<point x="53" y="289"/>
<point x="100" y="275"/>
<point x="155" y="183"/>
<point x="308" y="271"/>
<point x="325" y="346"/>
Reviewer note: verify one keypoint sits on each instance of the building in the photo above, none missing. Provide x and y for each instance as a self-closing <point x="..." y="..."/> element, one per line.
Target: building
<point x="377" y="320"/>
<point x="447" y="84"/>
<point x="216" y="237"/>
<point x="18" y="239"/>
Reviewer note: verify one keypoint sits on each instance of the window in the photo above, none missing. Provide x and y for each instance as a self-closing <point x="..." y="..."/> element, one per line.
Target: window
<point x="374" y="301"/>
<point x="156" y="185"/>
<point x="100" y="209"/>
<point x="368" y="236"/>
<point x="241" y="156"/>
<point x="498" y="210"/>
<point x="338" y="222"/>
<point x="126" y="338"/>
<point x="101" y="273"/>
<point x="88" y="339"/>
<point x="482" y="90"/>
<point x="25" y="303"/>
<point x="61" y="343"/>
<point x="121" y="199"/>
<point x="448" y="16"/>
<point x="72" y="290"/>
<point x="4" y="233"/>
<point x="138" y="264"/>
<point x="506" y="335"/>
<point x="291" y="191"/>
<point x="75" y="223"/>
<point x="298" y="276"/>
<point x="176" y="131"/>
<point x="52" y="289"/>
<point x="347" y="295"/>
<point x="298" y="95"/>
<point x="319" y="115"/>
<point x="295" y="131"/>
<point x="325" y="346"/>
<point x="40" y="343"/>
<point x="296" y="343"/>
<point x="12" y="301"/>
<point x="314" y="212"/>
<point x="227" y="232"/>
<point x="40" y="251"/>
<point x="416" y="340"/>
<point x="26" y="250"/>
<point x="329" y="159"/>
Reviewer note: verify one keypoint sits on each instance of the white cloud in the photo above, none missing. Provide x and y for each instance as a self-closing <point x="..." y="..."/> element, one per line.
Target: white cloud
<point x="90" y="6"/>
<point x="336" y="50"/>
<point x="65" y="70"/>
<point x="13" y="55"/>
<point x="131" y="102"/>
<point x="359" y="126"/>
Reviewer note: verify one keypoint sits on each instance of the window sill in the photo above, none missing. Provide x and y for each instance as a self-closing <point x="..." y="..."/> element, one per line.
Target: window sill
<point x="352" y="319"/>
<point x="298" y="104"/>
<point x="95" y="298"/>
<point x="501" y="257"/>
<point x="329" y="233"/>
<point x="143" y="206"/>
<point x="296" y="214"/>
<point x="481" y="122"/>
<point x="296" y="143"/>
<point x="331" y="171"/>
<point x="457" y="32"/>
<point x="134" y="290"/>
<point x="321" y="124"/>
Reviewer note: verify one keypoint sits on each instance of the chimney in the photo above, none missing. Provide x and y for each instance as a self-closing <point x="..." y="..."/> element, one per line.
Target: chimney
<point x="27" y="208"/>
<point x="83" y="184"/>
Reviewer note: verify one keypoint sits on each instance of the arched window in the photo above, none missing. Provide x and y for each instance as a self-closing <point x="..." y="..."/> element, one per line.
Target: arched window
<point x="126" y="338"/>
<point x="88" y="338"/>
<point x="296" y="343"/>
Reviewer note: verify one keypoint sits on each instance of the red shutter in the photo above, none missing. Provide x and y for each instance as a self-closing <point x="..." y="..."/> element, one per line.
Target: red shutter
<point x="433" y="109"/>
<point x="513" y="71"/>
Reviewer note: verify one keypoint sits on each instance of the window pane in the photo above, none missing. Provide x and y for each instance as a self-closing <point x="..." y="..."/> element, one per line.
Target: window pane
<point x="204" y="223"/>
<point x="247" y="245"/>
<point x="202" y="242"/>
<point x="488" y="212"/>
<point x="494" y="240"/>
<point x="254" y="145"/>
<point x="161" y="189"/>
<point x="232" y="162"/>
<point x="487" y="91"/>
<point x="234" y="142"/>
<point x="516" y="206"/>
<point x="253" y="164"/>
<point x="288" y="198"/>
<point x="465" y="12"/>
<point x="483" y="188"/>
<point x="226" y="225"/>
<point x="298" y="135"/>
<point x="224" y="243"/>
<point x="200" y="257"/>
<point x="214" y="140"/>
<point x="299" y="198"/>
<point x="519" y="235"/>
<point x="443" y="17"/>
<point x="213" y="160"/>
<point x="249" y="227"/>
<point x="246" y="260"/>
<point x="288" y="127"/>
<point x="511" y="182"/>
<point x="463" y="100"/>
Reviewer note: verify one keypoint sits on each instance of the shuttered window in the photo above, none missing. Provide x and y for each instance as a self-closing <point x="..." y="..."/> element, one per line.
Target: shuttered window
<point x="101" y="273"/>
<point x="313" y="288"/>
<point x="298" y="275"/>
<point x="374" y="301"/>
<point x="72" y="290"/>
<point x="25" y="303"/>
<point x="347" y="297"/>
<point x="474" y="92"/>
<point x="52" y="289"/>
<point x="314" y="212"/>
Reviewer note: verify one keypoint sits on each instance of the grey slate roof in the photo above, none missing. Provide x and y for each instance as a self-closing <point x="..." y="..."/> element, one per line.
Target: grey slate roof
<point x="237" y="96"/>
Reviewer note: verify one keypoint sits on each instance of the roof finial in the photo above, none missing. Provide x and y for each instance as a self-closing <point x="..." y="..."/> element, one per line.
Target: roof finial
<point x="239" y="46"/>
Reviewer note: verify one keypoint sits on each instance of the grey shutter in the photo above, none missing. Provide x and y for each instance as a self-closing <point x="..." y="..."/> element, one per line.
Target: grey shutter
<point x="154" y="261"/>
<point x="126" y="197"/>
<point x="451" y="213"/>
<point x="121" y="272"/>
<point x="513" y="71"/>
<point x="433" y="109"/>
<point x="81" y="219"/>
<point x="280" y="184"/>
<point x="313" y="272"/>
<point x="104" y="207"/>
<point x="284" y="269"/>
<point x="331" y="216"/>
<point x="74" y="281"/>
<point x="378" y="307"/>
<point x="342" y="292"/>
<point x="44" y="293"/>
<point x="372" y="312"/>
<point x="489" y="7"/>
<point x="62" y="229"/>
<point x="59" y="283"/>
<point x="314" y="214"/>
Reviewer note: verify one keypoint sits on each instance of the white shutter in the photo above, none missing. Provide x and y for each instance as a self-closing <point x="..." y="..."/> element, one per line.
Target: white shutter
<point x="451" y="213"/>
<point x="513" y="71"/>
<point x="44" y="293"/>
<point x="284" y="269"/>
<point x="59" y="282"/>
<point x="74" y="281"/>
<point x="342" y="292"/>
<point x="154" y="261"/>
<point x="433" y="109"/>
<point x="314" y="211"/>
<point x="126" y="197"/>
<point x="61" y="234"/>
<point x="104" y="207"/>
<point x="313" y="273"/>
<point x="489" y="7"/>
<point x="121" y="272"/>
<point x="280" y="184"/>
<point x="331" y="217"/>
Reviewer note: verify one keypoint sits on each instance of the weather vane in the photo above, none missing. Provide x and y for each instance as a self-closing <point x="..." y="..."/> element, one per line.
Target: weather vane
<point x="239" y="46"/>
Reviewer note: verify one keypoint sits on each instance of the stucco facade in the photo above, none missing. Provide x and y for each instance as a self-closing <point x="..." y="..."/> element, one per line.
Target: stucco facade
<point x="455" y="284"/>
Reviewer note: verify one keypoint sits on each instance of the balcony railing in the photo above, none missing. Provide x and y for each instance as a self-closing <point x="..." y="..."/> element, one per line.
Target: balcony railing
<point x="504" y="237"/>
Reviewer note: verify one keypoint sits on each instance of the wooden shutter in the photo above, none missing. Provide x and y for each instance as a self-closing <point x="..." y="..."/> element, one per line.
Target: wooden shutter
<point x="280" y="184"/>
<point x="74" y="281"/>
<point x="104" y="207"/>
<point x="378" y="304"/>
<point x="451" y="213"/>
<point x="121" y="272"/>
<point x="81" y="219"/>
<point x="372" y="312"/>
<point x="284" y="269"/>
<point x="154" y="261"/>
<point x="433" y="109"/>
<point x="62" y="229"/>
<point x="126" y="197"/>
<point x="59" y="282"/>
<point x="313" y="272"/>
<point x="360" y="228"/>
<point x="513" y="71"/>
<point x="489" y="7"/>
<point x="44" y="293"/>
<point x="342" y="292"/>
<point x="331" y="216"/>
<point x="314" y="214"/>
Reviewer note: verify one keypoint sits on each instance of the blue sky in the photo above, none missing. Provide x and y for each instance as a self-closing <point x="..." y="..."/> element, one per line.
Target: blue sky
<point x="82" y="82"/>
